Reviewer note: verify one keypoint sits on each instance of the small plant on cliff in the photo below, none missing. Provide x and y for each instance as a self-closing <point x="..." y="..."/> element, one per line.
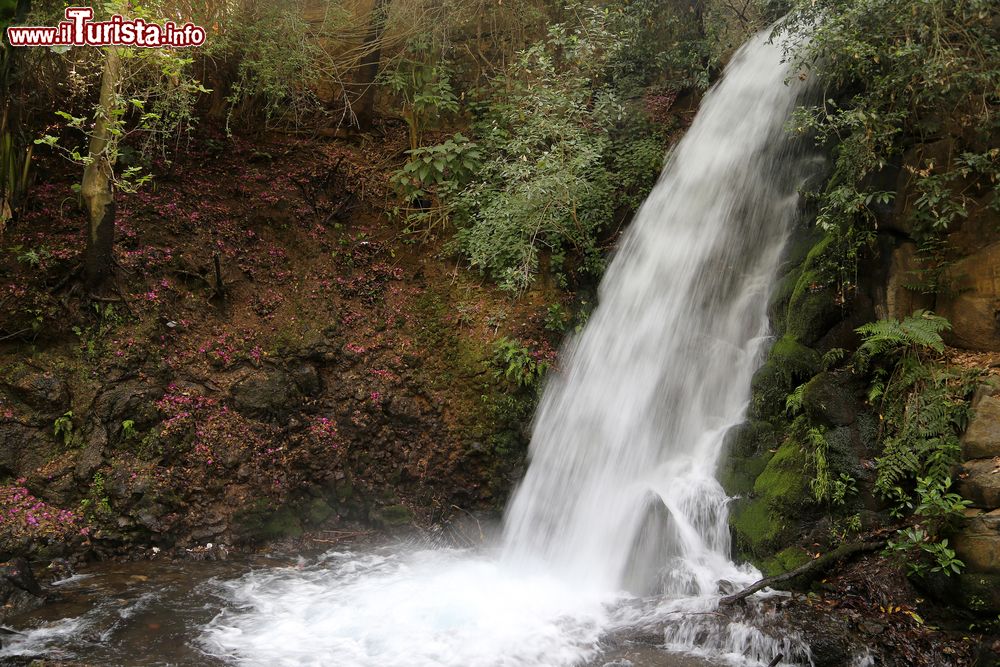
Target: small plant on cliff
<point x="518" y="364"/>
<point x="63" y="427"/>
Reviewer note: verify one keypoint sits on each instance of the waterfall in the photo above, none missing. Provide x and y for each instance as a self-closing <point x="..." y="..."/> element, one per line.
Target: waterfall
<point x="619" y="521"/>
<point x="621" y="487"/>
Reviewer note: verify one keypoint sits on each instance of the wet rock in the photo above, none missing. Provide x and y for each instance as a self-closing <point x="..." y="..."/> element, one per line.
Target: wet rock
<point x="391" y="515"/>
<point x="23" y="448"/>
<point x="91" y="457"/>
<point x="827" y="399"/>
<point x="978" y="591"/>
<point x="19" y="590"/>
<point x="128" y="401"/>
<point x="404" y="407"/>
<point x="982" y="438"/>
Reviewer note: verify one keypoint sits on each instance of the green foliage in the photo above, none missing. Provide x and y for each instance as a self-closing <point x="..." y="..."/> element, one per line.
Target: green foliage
<point x="423" y="83"/>
<point x="564" y="154"/>
<point x="517" y="364"/>
<point x="63" y="427"/>
<point x="896" y="73"/>
<point x="917" y="540"/>
<point x="924" y="408"/>
<point x="15" y="172"/>
<point x="914" y="334"/>
<point x="433" y="176"/>
<point x="97" y="504"/>
<point x="280" y="62"/>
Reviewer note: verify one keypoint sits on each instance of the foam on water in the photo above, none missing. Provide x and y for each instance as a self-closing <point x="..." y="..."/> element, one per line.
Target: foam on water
<point x="438" y="608"/>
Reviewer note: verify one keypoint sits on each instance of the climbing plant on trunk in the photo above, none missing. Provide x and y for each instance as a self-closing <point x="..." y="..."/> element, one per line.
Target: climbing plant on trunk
<point x="97" y="188"/>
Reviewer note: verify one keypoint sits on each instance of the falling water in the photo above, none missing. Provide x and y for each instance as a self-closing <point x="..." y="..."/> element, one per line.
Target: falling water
<point x="621" y="489"/>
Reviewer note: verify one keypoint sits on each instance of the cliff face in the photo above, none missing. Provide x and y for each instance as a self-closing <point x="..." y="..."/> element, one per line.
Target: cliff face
<point x="277" y="357"/>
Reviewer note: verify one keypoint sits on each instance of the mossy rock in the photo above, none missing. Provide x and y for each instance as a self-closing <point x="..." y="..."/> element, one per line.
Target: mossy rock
<point x="789" y="364"/>
<point x="750" y="438"/>
<point x="392" y="515"/>
<point x="777" y="305"/>
<point x="979" y="592"/>
<point x="783" y="483"/>
<point x="756" y="532"/>
<point x="780" y="502"/>
<point x="784" y="561"/>
<point x="746" y="446"/>
<point x="261" y="523"/>
<point x="829" y="400"/>
<point x="318" y="512"/>
<point x="738" y="474"/>
<point x="812" y="309"/>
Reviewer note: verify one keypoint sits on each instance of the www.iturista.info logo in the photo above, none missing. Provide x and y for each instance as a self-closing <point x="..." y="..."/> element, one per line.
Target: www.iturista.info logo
<point x="79" y="30"/>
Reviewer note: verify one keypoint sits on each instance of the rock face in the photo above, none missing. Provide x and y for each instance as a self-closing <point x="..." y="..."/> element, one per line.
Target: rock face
<point x="901" y="301"/>
<point x="981" y="483"/>
<point x="978" y="542"/>
<point x="972" y="305"/>
<point x="982" y="438"/>
<point x="978" y="545"/>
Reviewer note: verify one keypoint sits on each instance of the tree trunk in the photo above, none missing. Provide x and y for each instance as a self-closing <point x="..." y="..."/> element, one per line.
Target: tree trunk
<point x="97" y="192"/>
<point x="364" y="106"/>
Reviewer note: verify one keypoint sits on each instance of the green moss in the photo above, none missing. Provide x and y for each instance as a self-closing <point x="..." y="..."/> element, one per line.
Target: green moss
<point x="812" y="308"/>
<point x="789" y="364"/>
<point x="777" y="306"/>
<point x="747" y="446"/>
<point x="261" y="523"/>
<point x="785" y="560"/>
<point x="318" y="511"/>
<point x="979" y="592"/>
<point x="737" y="474"/>
<point x="783" y="483"/>
<point x="828" y="399"/>
<point x="755" y="529"/>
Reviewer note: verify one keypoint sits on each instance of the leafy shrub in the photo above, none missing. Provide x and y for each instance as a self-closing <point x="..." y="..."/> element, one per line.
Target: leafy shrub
<point x="896" y="73"/>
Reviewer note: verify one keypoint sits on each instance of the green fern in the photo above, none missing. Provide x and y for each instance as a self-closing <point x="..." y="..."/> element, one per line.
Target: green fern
<point x="921" y="331"/>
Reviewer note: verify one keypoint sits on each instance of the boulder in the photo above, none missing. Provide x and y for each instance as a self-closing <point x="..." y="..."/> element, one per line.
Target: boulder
<point x="828" y="399"/>
<point x="274" y="393"/>
<point x="979" y="481"/>
<point x="982" y="438"/>
<point x="44" y="392"/>
<point x="972" y="303"/>
<point x="978" y="542"/>
<point x="19" y="590"/>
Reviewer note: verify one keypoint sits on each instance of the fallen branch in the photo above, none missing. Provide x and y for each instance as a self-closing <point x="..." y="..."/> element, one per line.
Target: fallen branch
<point x="811" y="569"/>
